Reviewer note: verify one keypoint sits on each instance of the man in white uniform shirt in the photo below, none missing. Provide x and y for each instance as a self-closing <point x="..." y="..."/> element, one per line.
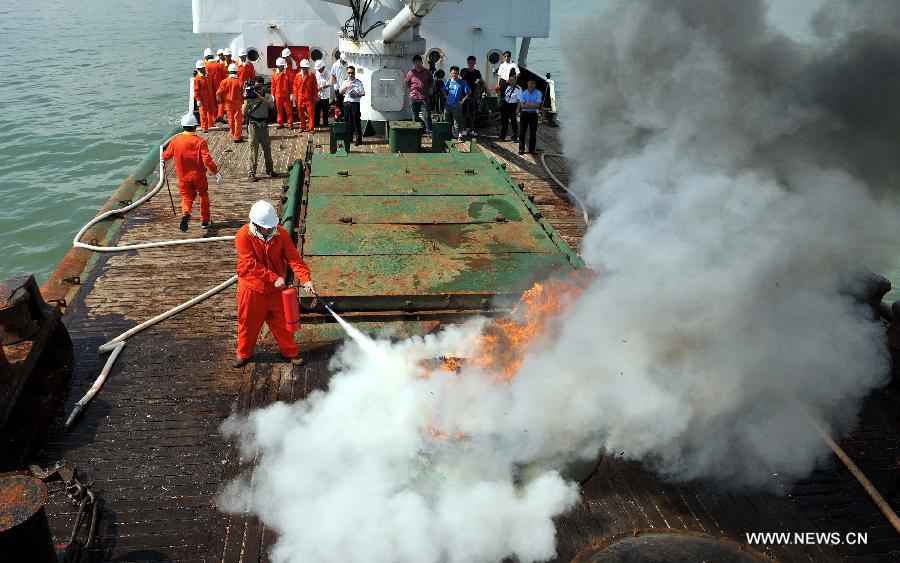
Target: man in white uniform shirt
<point x="323" y="80"/>
<point x="503" y="72"/>
<point x="338" y="76"/>
<point x="352" y="90"/>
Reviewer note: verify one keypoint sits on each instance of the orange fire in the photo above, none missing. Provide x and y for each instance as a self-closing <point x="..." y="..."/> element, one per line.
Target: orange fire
<point x="505" y="341"/>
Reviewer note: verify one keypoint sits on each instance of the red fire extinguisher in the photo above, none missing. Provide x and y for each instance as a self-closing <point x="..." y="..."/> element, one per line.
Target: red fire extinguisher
<point x="291" y="308"/>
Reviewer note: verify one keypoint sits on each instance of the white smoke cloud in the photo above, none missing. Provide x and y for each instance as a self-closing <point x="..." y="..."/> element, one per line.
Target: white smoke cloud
<point x="732" y="176"/>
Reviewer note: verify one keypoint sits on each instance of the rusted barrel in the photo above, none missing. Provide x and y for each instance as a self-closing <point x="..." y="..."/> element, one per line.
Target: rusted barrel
<point x="24" y="533"/>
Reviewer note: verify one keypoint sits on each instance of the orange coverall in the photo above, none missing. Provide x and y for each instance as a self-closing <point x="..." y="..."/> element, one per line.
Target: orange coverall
<point x="217" y="72"/>
<point x="282" y="86"/>
<point x="259" y="265"/>
<point x="204" y="93"/>
<point x="231" y="94"/>
<point x="246" y="71"/>
<point x="306" y="92"/>
<point x="192" y="158"/>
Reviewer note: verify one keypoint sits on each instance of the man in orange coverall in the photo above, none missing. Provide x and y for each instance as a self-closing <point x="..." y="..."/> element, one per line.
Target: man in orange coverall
<point x="245" y="67"/>
<point x="216" y="71"/>
<point x="205" y="96"/>
<point x="231" y="95"/>
<point x="306" y="92"/>
<point x="282" y="88"/>
<point x="191" y="161"/>
<point x="264" y="248"/>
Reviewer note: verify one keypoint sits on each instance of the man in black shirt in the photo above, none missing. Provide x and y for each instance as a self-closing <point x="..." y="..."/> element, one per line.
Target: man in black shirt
<point x="472" y="76"/>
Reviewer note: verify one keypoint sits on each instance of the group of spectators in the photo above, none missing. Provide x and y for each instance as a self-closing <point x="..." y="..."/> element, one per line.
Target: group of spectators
<point x="462" y="95"/>
<point x="229" y="88"/>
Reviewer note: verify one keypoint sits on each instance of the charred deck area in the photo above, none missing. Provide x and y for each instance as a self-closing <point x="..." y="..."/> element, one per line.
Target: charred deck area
<point x="151" y="445"/>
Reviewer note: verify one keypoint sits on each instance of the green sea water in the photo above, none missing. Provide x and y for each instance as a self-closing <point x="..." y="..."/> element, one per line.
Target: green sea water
<point x="94" y="83"/>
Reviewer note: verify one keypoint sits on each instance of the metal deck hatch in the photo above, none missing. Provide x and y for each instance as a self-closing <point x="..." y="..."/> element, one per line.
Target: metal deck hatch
<point x="423" y="232"/>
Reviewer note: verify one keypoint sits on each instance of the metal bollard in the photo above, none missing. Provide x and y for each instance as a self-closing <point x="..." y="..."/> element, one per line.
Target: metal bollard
<point x="24" y="532"/>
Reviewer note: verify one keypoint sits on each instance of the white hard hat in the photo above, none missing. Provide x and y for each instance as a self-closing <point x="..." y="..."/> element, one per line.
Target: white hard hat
<point x="227" y="52"/>
<point x="304" y="63"/>
<point x="220" y="52"/>
<point x="320" y="64"/>
<point x="188" y="120"/>
<point x="232" y="68"/>
<point x="200" y="63"/>
<point x="242" y="53"/>
<point x="207" y="52"/>
<point x="285" y="52"/>
<point x="263" y="214"/>
<point x="280" y="62"/>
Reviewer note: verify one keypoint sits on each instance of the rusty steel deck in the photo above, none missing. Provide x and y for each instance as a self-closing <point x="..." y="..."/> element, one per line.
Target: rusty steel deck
<point x="425" y="231"/>
<point x="150" y="441"/>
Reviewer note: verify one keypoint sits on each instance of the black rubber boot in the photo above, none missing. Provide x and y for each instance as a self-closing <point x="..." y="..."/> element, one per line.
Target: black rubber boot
<point x="185" y="219"/>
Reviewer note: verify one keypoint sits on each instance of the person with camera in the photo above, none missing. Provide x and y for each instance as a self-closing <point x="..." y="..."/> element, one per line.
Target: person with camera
<point x="257" y="105"/>
<point x="230" y="95"/>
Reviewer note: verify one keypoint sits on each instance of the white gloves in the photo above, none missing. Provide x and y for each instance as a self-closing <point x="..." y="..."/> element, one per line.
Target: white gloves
<point x="218" y="177"/>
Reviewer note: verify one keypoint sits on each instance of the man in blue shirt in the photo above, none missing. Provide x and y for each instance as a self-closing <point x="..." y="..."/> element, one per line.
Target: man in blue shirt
<point x="530" y="102"/>
<point x="456" y="92"/>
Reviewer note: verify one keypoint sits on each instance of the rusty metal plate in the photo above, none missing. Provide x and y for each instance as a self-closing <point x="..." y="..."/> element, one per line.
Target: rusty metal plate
<point x="415" y="184"/>
<point x="432" y="274"/>
<point x="21" y="497"/>
<point x="454" y="238"/>
<point x="324" y="209"/>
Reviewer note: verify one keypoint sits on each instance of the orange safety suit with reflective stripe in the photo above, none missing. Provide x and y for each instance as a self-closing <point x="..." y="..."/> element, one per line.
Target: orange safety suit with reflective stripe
<point x="217" y="72"/>
<point x="259" y="264"/>
<point x="204" y="93"/>
<point x="231" y="94"/>
<point x="282" y="86"/>
<point x="306" y="92"/>
<point x="246" y="71"/>
<point x="192" y="158"/>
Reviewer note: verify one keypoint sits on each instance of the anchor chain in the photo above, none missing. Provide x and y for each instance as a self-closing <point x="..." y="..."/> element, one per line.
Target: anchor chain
<point x="62" y="477"/>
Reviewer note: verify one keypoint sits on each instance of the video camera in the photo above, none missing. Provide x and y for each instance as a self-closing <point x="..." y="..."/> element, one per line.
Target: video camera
<point x="250" y="89"/>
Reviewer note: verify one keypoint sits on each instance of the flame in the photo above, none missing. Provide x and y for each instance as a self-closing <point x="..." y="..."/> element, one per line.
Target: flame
<point x="505" y="341"/>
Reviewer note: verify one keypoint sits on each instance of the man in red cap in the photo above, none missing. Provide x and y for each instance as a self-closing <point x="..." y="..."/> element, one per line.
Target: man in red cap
<point x="264" y="250"/>
<point x="192" y="158"/>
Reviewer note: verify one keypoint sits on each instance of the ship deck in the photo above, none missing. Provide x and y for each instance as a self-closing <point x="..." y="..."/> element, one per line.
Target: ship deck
<point x="150" y="441"/>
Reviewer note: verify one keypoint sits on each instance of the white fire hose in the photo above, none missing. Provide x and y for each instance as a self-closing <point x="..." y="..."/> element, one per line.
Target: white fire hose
<point x="116" y="345"/>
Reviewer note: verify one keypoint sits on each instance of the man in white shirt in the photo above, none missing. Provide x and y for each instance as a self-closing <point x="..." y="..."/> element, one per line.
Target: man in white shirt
<point x="352" y="90"/>
<point x="323" y="79"/>
<point x="510" y="102"/>
<point x="338" y="76"/>
<point x="503" y="72"/>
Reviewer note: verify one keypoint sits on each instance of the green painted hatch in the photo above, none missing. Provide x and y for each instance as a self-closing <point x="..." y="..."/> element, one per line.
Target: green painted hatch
<point x="423" y="232"/>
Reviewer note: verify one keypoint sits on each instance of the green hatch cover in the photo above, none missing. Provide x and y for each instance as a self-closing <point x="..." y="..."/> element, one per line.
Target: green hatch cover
<point x="423" y="232"/>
